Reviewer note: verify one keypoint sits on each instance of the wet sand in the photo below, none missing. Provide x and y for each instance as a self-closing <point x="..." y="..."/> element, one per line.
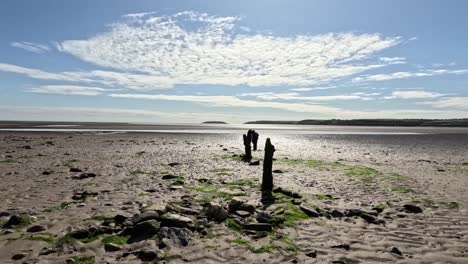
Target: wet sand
<point x="331" y="172"/>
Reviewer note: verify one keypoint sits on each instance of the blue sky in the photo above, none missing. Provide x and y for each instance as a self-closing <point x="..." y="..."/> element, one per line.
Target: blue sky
<point x="190" y="61"/>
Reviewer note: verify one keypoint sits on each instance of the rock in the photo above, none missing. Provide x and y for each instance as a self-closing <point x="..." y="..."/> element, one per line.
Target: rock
<point x="172" y="164"/>
<point x="46" y="172"/>
<point x="264" y="217"/>
<point x="247" y="207"/>
<point x="85" y="175"/>
<point x="311" y="254"/>
<point x="379" y="210"/>
<point x="169" y="177"/>
<point x="147" y="215"/>
<point x="353" y="212"/>
<point x="146" y="255"/>
<point x="371" y="219"/>
<point x="287" y="192"/>
<point x="175" y="220"/>
<point x="180" y="236"/>
<point x="120" y="219"/>
<point x="254" y="163"/>
<point x="396" y="251"/>
<point x="47" y="251"/>
<point x="142" y="230"/>
<point x="258" y="227"/>
<point x="18" y="256"/>
<point x="36" y="228"/>
<point x="242" y="213"/>
<point x="182" y="210"/>
<point x="16" y="220"/>
<point x="309" y="211"/>
<point x="412" y="209"/>
<point x="3" y="214"/>
<point x="109" y="247"/>
<point x="336" y="214"/>
<point x="343" y="246"/>
<point x="216" y="212"/>
<point x="75" y="170"/>
<point x="234" y="204"/>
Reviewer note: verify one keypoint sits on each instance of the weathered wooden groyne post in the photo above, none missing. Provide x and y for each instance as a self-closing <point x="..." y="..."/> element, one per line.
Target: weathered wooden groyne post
<point x="267" y="179"/>
<point x="248" y="150"/>
<point x="254" y="140"/>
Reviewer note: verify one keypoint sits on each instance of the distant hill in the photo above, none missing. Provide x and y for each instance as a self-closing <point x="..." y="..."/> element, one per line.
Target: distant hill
<point x="373" y="122"/>
<point x="214" y="122"/>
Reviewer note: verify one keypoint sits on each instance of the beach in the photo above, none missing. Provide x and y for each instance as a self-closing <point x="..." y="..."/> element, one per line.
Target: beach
<point x="383" y="195"/>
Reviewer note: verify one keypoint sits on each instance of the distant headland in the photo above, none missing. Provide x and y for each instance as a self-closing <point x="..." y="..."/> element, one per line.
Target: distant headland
<point x="214" y="122"/>
<point x="463" y="122"/>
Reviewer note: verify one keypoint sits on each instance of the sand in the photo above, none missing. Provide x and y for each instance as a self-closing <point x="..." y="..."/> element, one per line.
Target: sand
<point x="331" y="172"/>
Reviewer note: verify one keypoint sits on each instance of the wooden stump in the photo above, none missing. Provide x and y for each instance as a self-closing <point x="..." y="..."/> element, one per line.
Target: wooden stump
<point x="248" y="150"/>
<point x="254" y="140"/>
<point x="267" y="179"/>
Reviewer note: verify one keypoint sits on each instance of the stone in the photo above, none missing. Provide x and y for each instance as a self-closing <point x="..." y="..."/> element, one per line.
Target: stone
<point x="120" y="219"/>
<point x="336" y="214"/>
<point x="234" y="204"/>
<point x="175" y="220"/>
<point x="146" y="255"/>
<point x="85" y="175"/>
<point x="371" y="219"/>
<point x="169" y="177"/>
<point x="343" y="246"/>
<point x="179" y="236"/>
<point x="47" y="251"/>
<point x="75" y="170"/>
<point x="109" y="247"/>
<point x="46" y="172"/>
<point x="216" y="212"/>
<point x="287" y="192"/>
<point x="242" y="213"/>
<point x="353" y="212"/>
<point x="142" y="230"/>
<point x="395" y="250"/>
<point x="311" y="254"/>
<point x="172" y="164"/>
<point x="18" y="256"/>
<point x="36" y="228"/>
<point x="247" y="207"/>
<point x="147" y="215"/>
<point x="263" y="217"/>
<point x="254" y="163"/>
<point x="258" y="227"/>
<point x="412" y="209"/>
<point x="309" y="211"/>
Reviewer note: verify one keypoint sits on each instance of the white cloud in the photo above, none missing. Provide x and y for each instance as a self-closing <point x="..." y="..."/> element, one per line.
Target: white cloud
<point x="406" y="75"/>
<point x="69" y="90"/>
<point x="214" y="51"/>
<point x="297" y="97"/>
<point x="105" y="115"/>
<point x="393" y="60"/>
<point x="31" y="47"/>
<point x="109" y="78"/>
<point x="307" y="89"/>
<point x="313" y="111"/>
<point x="451" y="102"/>
<point x="229" y="101"/>
<point x="413" y="95"/>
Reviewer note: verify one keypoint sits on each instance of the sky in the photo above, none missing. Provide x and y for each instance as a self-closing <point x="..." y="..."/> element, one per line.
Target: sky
<point x="233" y="61"/>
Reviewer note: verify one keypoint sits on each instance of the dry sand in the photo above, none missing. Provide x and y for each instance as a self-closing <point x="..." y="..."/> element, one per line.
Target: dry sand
<point x="330" y="172"/>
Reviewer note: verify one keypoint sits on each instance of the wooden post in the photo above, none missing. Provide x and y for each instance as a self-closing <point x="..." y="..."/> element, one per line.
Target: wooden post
<point x="267" y="180"/>
<point x="248" y="151"/>
<point x="254" y="140"/>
